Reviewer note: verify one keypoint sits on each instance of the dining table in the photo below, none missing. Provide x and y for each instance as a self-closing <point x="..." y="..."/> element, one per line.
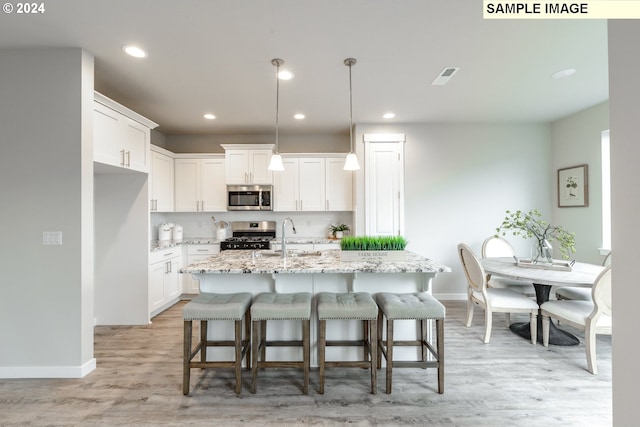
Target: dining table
<point x="544" y="278"/>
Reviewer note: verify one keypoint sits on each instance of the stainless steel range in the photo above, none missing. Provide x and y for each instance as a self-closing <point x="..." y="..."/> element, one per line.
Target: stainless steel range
<point x="250" y="235"/>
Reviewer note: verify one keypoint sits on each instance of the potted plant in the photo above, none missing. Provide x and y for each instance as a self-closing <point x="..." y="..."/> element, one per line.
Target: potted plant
<point x="373" y="248"/>
<point x="337" y="231"/>
<point x="531" y="225"/>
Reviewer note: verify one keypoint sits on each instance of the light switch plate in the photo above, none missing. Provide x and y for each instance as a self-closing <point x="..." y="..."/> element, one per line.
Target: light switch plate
<point x="52" y="237"/>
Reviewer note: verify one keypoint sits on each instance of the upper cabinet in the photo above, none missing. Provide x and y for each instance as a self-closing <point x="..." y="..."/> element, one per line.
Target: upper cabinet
<point x="248" y="164"/>
<point x="200" y="185"/>
<point x="313" y="184"/>
<point x="161" y="179"/>
<point x="121" y="137"/>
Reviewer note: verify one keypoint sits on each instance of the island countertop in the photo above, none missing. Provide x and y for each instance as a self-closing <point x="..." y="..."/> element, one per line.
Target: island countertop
<point x="326" y="261"/>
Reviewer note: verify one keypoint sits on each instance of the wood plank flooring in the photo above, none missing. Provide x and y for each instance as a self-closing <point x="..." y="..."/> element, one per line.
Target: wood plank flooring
<point x="138" y="378"/>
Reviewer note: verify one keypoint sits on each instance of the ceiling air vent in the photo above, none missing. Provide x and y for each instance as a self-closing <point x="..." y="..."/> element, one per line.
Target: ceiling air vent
<point x="445" y="75"/>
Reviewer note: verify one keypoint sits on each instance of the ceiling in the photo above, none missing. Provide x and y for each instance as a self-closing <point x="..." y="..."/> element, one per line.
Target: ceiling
<point x="215" y="56"/>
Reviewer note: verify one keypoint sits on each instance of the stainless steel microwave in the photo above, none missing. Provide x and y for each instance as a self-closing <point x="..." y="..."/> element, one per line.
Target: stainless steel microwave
<point x="250" y="197"/>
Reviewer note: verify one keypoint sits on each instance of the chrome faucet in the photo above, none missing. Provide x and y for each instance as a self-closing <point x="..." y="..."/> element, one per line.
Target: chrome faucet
<point x="283" y="246"/>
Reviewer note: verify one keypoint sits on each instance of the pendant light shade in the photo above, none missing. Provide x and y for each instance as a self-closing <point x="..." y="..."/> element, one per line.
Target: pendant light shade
<point x="276" y="159"/>
<point x="351" y="162"/>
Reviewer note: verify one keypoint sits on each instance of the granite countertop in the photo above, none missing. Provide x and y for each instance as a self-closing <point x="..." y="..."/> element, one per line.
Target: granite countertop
<point x="158" y="245"/>
<point x="328" y="261"/>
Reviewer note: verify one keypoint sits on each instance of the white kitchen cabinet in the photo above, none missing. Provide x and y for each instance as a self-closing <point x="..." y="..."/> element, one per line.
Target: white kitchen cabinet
<point x="248" y="165"/>
<point x="197" y="253"/>
<point x="384" y="185"/>
<point x="200" y="185"/>
<point x="338" y="185"/>
<point x="164" y="279"/>
<point x="162" y="183"/>
<point x="121" y="137"/>
<point x="301" y="186"/>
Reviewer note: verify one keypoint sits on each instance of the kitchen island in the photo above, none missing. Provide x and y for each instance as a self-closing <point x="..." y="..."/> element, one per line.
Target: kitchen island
<point x="314" y="272"/>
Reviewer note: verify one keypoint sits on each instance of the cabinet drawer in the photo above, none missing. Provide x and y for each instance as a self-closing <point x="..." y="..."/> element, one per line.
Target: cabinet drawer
<point x="203" y="249"/>
<point x="165" y="254"/>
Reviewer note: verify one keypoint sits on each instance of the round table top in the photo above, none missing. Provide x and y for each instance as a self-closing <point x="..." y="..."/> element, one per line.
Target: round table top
<point x="581" y="274"/>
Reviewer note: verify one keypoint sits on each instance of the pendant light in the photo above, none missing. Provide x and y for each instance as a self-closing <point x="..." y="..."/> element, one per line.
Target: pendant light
<point x="276" y="159"/>
<point x="351" y="162"/>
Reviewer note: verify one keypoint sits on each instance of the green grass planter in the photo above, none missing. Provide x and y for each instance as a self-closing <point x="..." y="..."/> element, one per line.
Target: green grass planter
<point x="373" y="248"/>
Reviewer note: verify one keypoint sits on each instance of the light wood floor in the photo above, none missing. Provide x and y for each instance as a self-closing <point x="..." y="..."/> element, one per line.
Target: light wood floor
<point x="138" y="379"/>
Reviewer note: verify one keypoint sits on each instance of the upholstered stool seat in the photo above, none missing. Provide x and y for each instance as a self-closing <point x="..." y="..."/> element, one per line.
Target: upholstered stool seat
<point x="211" y="307"/>
<point x="348" y="306"/>
<point x="419" y="306"/>
<point x="276" y="306"/>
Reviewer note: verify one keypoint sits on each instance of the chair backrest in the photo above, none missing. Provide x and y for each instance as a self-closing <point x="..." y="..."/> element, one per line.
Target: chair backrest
<point x="607" y="260"/>
<point x="601" y="293"/>
<point x="476" y="277"/>
<point x="495" y="246"/>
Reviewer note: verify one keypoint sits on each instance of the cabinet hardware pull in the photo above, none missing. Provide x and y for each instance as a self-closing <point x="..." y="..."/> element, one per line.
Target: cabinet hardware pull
<point x="128" y="159"/>
<point x="122" y="158"/>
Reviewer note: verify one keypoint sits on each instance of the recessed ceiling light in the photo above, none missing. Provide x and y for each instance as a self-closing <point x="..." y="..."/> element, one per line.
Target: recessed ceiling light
<point x="388" y="115"/>
<point x="563" y="73"/>
<point x="298" y="116"/>
<point x="285" y="75"/>
<point x="134" y="51"/>
<point x="209" y="116"/>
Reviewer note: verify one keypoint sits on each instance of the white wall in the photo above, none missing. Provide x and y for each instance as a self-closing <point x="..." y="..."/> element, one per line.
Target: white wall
<point x="624" y="93"/>
<point x="459" y="181"/>
<point x="576" y="141"/>
<point x="46" y="181"/>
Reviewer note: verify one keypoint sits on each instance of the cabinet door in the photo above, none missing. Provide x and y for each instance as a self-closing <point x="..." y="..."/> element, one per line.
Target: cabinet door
<point x="285" y="186"/>
<point x="106" y="136"/>
<point x="339" y="185"/>
<point x="187" y="185"/>
<point x="156" y="285"/>
<point x="172" y="277"/>
<point x="161" y="178"/>
<point x="237" y="166"/>
<point x="213" y="185"/>
<point x="384" y="189"/>
<point x="259" y="172"/>
<point x="136" y="144"/>
<point x="312" y="190"/>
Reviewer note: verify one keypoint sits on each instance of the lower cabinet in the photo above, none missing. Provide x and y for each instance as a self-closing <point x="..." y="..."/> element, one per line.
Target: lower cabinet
<point x="164" y="279"/>
<point x="196" y="253"/>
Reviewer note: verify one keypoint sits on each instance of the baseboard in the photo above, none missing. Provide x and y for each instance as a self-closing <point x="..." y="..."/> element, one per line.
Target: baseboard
<point x="451" y="297"/>
<point x="48" y="371"/>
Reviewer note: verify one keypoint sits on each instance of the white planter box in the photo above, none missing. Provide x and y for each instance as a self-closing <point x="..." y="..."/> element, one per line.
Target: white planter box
<point x="377" y="256"/>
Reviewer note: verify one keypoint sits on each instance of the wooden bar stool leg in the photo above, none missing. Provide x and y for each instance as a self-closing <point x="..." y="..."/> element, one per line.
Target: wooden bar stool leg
<point x="203" y="341"/>
<point x="255" y="347"/>
<point x="238" y="361"/>
<point x="322" y="336"/>
<point x="440" y="347"/>
<point x="380" y="342"/>
<point x="365" y="341"/>
<point x="389" y="353"/>
<point x="263" y="339"/>
<point x="423" y="339"/>
<point x="186" y="363"/>
<point x="247" y="337"/>
<point x="306" y="349"/>
<point x="373" y="346"/>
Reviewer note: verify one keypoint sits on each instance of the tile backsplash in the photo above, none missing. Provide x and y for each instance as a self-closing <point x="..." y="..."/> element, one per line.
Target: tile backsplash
<point x="200" y="224"/>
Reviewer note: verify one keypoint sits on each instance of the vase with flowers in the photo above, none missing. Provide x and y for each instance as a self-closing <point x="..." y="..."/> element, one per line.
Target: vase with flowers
<point x="530" y="225"/>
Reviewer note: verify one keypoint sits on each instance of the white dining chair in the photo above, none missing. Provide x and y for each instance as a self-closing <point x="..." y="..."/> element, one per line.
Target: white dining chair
<point x="593" y="317"/>
<point x="579" y="293"/>
<point x="496" y="246"/>
<point x="499" y="300"/>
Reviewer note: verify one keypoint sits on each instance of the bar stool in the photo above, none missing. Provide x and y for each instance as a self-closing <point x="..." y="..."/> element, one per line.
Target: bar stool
<point x="348" y="306"/>
<point x="209" y="307"/>
<point x="415" y="306"/>
<point x="275" y="306"/>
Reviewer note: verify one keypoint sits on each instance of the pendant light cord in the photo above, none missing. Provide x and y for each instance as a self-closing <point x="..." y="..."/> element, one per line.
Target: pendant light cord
<point x="349" y="62"/>
<point x="277" y="62"/>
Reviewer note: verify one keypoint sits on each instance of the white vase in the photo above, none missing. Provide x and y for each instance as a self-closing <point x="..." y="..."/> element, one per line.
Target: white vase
<point x="339" y="234"/>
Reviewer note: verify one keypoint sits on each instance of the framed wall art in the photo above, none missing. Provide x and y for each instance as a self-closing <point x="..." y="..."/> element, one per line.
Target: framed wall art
<point x="573" y="187"/>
